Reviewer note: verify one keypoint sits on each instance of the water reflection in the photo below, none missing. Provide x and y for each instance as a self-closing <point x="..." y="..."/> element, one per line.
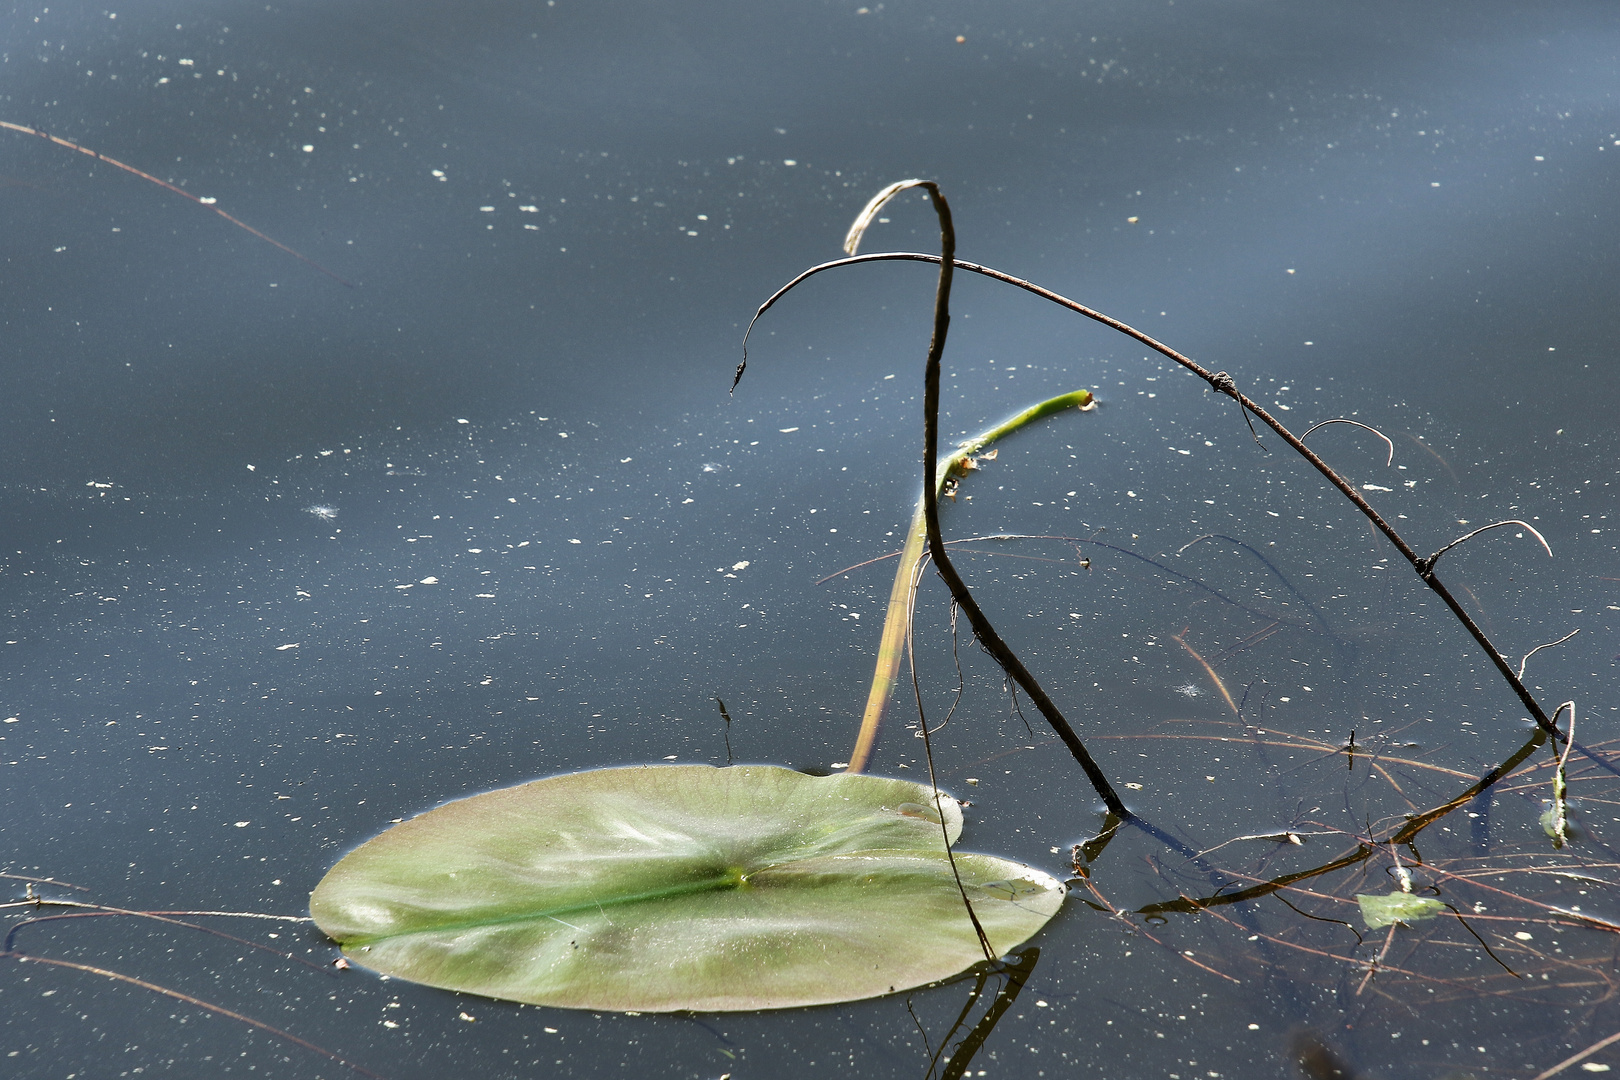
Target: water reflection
<point x="1423" y="196"/>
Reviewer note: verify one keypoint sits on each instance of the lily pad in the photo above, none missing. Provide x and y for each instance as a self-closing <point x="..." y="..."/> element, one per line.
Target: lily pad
<point x="1382" y="911"/>
<point x="675" y="887"/>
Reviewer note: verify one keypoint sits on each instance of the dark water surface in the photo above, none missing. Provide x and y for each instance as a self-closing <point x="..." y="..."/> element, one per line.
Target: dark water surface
<point x="556" y="540"/>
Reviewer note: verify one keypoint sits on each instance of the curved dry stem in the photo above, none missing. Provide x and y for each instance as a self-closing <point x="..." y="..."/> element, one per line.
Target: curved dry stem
<point x="863" y="220"/>
<point x="1545" y="645"/>
<point x="982" y="629"/>
<point x="1220" y="382"/>
<point x="1354" y="423"/>
<point x="1425" y="567"/>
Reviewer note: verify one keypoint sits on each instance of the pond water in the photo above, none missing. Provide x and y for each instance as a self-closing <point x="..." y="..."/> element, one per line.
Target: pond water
<point x="290" y="555"/>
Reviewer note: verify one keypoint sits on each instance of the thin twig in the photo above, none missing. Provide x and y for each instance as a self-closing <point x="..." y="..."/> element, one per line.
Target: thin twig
<point x="1223" y="383"/>
<point x="939" y="807"/>
<point x="1575" y="1059"/>
<point x="727" y="730"/>
<point x="45" y="881"/>
<point x="219" y="1010"/>
<point x="982" y="628"/>
<point x="1546" y="645"/>
<point x="1287" y="836"/>
<point x="1179" y="639"/>
<point x="1425" y="567"/>
<point x="209" y="203"/>
<point x="1354" y="423"/>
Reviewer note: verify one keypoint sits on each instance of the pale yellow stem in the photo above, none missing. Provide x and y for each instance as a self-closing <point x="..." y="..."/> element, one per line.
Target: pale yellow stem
<point x="897" y="619"/>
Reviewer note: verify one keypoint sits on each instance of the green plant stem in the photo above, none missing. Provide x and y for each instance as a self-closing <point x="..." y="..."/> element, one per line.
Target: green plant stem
<point x="902" y="595"/>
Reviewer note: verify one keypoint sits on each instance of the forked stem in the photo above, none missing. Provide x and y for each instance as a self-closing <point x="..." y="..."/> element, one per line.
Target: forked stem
<point x="982" y="629"/>
<point x="1223" y="383"/>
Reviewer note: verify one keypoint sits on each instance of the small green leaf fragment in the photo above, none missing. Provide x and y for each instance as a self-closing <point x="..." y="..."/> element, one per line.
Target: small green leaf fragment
<point x="1399" y="907"/>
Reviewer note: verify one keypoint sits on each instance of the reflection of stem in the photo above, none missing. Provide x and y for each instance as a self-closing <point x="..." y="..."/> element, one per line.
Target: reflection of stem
<point x="980" y="978"/>
<point x="902" y="594"/>
<point x="1414" y="825"/>
<point x="1362" y="851"/>
<point x="1214" y="678"/>
<point x="1018" y="974"/>
<point x="1089" y="851"/>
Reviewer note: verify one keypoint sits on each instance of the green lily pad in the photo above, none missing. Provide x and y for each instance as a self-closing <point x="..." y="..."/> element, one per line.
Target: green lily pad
<point x="1382" y="911"/>
<point x="675" y="887"/>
